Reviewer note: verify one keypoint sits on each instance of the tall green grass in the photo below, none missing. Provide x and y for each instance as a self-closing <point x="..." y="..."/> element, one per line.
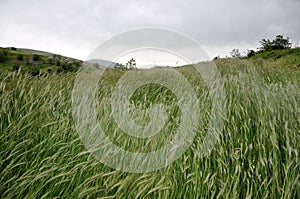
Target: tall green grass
<point x="41" y="154"/>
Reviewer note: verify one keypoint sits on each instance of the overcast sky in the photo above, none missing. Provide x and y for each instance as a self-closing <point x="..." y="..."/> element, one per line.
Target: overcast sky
<point x="76" y="27"/>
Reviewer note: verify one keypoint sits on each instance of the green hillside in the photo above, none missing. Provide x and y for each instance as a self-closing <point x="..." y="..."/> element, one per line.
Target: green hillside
<point x="282" y="59"/>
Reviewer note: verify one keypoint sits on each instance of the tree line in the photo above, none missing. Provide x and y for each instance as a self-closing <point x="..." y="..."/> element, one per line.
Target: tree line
<point x="279" y="43"/>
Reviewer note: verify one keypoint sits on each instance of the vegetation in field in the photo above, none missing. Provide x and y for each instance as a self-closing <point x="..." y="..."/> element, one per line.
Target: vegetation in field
<point x="257" y="155"/>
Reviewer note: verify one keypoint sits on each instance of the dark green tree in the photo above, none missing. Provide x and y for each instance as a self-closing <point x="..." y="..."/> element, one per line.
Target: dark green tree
<point x="278" y="43"/>
<point x="250" y="53"/>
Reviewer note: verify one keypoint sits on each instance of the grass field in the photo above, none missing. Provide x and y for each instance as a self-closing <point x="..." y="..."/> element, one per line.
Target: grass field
<point x="257" y="155"/>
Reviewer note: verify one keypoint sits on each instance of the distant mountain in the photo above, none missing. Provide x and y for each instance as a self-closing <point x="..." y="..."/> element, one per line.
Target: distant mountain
<point x="103" y="63"/>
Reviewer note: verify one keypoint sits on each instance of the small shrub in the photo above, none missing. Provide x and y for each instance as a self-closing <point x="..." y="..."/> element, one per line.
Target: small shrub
<point x="51" y="61"/>
<point x="3" y="56"/>
<point x="16" y="67"/>
<point x="250" y="53"/>
<point x="36" y="58"/>
<point x="20" y="57"/>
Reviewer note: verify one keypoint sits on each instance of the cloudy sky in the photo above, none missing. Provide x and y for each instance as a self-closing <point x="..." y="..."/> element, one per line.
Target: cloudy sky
<point x="76" y="27"/>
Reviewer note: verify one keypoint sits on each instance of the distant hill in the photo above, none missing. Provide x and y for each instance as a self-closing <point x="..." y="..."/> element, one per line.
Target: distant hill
<point x="103" y="63"/>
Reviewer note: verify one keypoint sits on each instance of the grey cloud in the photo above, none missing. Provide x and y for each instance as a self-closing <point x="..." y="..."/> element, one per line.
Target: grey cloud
<point x="75" y="28"/>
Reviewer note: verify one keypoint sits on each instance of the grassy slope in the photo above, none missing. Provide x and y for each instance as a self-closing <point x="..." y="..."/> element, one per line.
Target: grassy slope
<point x="257" y="155"/>
<point x="286" y="61"/>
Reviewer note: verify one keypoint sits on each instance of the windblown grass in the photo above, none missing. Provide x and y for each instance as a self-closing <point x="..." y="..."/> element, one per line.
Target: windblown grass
<point x="257" y="155"/>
